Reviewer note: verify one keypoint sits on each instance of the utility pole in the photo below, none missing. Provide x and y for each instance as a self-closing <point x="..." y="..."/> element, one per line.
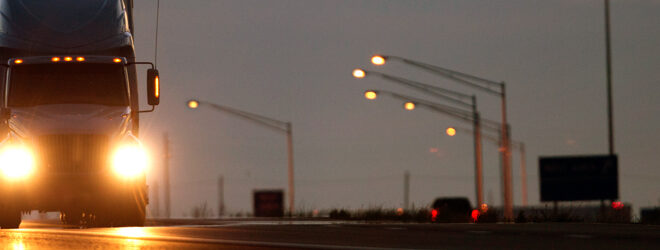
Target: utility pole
<point x="523" y="172"/>
<point x="506" y="159"/>
<point x="221" y="196"/>
<point x="608" y="53"/>
<point x="478" y="160"/>
<point x="156" y="203"/>
<point x="289" y="143"/>
<point x="406" y="189"/>
<point x="166" y="173"/>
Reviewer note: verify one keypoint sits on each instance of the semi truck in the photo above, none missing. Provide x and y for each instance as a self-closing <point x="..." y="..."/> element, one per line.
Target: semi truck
<point x="70" y="112"/>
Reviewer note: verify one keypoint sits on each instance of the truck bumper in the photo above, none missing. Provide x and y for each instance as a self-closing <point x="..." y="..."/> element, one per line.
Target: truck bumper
<point x="58" y="192"/>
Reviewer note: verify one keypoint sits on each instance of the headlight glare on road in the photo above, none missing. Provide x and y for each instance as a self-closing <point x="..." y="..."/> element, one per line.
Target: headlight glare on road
<point x="129" y="160"/>
<point x="16" y="162"/>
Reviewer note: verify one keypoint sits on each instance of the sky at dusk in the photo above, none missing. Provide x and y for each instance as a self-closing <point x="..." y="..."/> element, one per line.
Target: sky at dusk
<point x="292" y="60"/>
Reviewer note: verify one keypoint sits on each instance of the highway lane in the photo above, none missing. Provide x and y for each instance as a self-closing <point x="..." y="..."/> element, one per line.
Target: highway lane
<point x="279" y="234"/>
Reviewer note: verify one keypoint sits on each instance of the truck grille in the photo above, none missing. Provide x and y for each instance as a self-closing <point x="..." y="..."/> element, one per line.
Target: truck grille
<point x="76" y="153"/>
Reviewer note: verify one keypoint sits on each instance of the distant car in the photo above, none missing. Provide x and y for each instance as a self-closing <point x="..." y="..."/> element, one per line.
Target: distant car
<point x="451" y="209"/>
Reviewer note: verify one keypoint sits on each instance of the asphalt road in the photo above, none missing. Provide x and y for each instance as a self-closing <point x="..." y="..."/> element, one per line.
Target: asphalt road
<point x="323" y="234"/>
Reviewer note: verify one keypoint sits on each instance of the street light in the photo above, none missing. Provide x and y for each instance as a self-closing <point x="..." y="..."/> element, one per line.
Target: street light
<point x="359" y="73"/>
<point x="487" y="86"/>
<point x="463" y="115"/>
<point x="451" y="131"/>
<point x="277" y="125"/>
<point x="523" y="160"/>
<point x="457" y="98"/>
<point x="377" y="60"/>
<point x="193" y="104"/>
<point x="409" y="105"/>
<point x="446" y="94"/>
<point x="371" y="95"/>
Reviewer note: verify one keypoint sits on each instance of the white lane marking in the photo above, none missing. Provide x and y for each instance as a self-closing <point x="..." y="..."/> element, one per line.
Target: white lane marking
<point x="580" y="236"/>
<point x="200" y="240"/>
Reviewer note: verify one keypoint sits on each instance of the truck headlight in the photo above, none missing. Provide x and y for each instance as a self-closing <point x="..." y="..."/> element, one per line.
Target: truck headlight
<point x="16" y="162"/>
<point x="129" y="160"/>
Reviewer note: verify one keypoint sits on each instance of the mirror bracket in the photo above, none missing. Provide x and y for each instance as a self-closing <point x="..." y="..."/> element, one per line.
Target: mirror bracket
<point x="147" y="63"/>
<point x="153" y="107"/>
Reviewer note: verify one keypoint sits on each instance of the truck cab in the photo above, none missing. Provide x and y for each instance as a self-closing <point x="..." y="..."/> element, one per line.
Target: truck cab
<point x="69" y="114"/>
<point x="69" y="142"/>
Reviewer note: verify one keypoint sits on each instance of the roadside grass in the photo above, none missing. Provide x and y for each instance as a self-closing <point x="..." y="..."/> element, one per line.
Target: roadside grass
<point x="382" y="214"/>
<point x="538" y="214"/>
<point x="492" y="215"/>
<point x="201" y="211"/>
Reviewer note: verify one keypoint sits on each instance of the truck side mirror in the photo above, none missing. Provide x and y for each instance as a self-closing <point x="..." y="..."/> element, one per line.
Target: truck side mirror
<point x="153" y="87"/>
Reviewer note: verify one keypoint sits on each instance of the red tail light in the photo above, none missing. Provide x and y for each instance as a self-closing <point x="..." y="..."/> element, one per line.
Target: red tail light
<point x="617" y="205"/>
<point x="434" y="214"/>
<point x="475" y="215"/>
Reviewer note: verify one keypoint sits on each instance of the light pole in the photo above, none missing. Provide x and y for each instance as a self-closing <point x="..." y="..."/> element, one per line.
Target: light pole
<point x="483" y="85"/>
<point x="451" y="96"/>
<point x="523" y="160"/>
<point x="608" y="53"/>
<point x="277" y="125"/>
<point x="523" y="172"/>
<point x="446" y="94"/>
<point x="468" y="116"/>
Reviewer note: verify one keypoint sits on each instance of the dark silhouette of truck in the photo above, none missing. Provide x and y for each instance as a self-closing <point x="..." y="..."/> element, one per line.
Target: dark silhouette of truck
<point x="70" y="112"/>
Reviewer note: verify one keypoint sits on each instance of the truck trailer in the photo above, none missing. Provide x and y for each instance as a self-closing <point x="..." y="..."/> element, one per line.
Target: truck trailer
<point x="70" y="113"/>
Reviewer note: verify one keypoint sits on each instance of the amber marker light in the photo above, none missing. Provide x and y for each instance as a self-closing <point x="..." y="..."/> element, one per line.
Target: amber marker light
<point x="55" y="59"/>
<point x="157" y="87"/>
<point x="18" y="61"/>
<point x="68" y="59"/>
<point x="193" y="104"/>
<point x="116" y="60"/>
<point x="359" y="73"/>
<point x="451" y="131"/>
<point x="370" y="94"/>
<point x="378" y="60"/>
<point x="484" y="208"/>
<point x="80" y="59"/>
<point x="409" y="105"/>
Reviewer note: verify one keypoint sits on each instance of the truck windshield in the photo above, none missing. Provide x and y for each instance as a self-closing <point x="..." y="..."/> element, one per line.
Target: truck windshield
<point x="74" y="83"/>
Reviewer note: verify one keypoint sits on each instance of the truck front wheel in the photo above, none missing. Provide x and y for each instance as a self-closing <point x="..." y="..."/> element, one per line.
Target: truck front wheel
<point x="9" y="218"/>
<point x="129" y="214"/>
<point x="71" y="217"/>
<point x="133" y="215"/>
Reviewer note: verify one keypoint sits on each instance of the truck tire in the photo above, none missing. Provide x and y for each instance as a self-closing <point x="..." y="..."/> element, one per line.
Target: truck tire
<point x="134" y="210"/>
<point x="130" y="214"/>
<point x="133" y="215"/>
<point x="71" y="218"/>
<point x="102" y="219"/>
<point x="10" y="218"/>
